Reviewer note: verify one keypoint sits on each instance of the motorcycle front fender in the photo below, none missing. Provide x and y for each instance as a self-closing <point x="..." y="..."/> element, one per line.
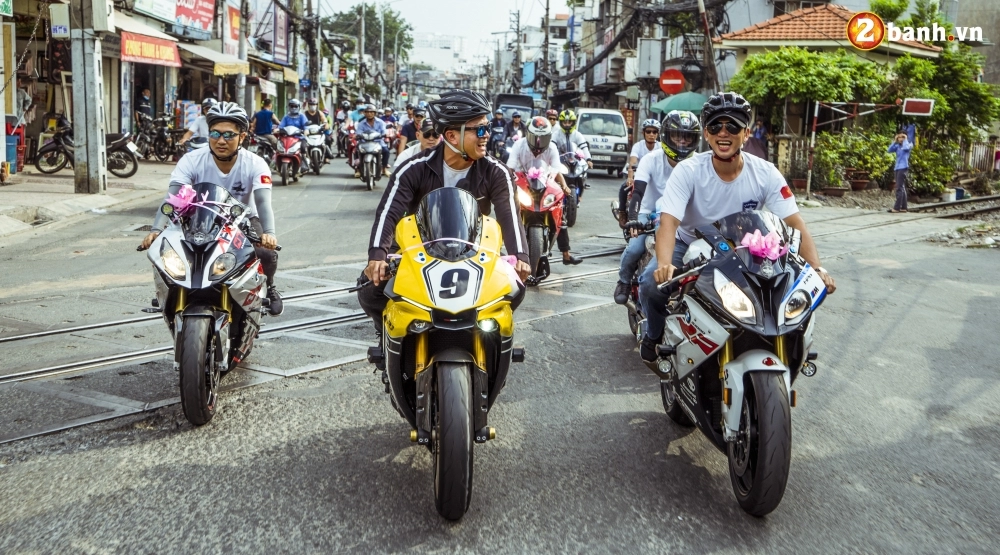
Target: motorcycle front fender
<point x="754" y="360"/>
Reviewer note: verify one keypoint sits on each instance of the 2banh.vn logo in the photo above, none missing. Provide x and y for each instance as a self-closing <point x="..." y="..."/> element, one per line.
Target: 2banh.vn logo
<point x="866" y="31"/>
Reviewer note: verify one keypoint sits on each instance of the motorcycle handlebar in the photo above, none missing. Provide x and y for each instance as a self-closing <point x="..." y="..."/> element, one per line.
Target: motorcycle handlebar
<point x="686" y="270"/>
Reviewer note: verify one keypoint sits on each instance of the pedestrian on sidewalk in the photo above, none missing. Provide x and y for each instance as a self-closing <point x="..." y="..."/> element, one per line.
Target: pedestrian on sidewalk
<point x="902" y="147"/>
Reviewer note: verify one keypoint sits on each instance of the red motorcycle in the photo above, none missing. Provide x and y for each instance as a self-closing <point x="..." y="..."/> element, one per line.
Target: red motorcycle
<point x="290" y="157"/>
<point x="391" y="136"/>
<point x="540" y="197"/>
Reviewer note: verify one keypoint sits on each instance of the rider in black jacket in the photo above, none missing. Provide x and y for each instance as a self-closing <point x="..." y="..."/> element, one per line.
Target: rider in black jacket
<point x="461" y="117"/>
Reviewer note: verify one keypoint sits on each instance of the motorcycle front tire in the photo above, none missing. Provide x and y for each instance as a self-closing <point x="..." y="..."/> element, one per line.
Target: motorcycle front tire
<point x="317" y="161"/>
<point x="761" y="485"/>
<point x="570" y="207"/>
<point x="284" y="174"/>
<point x="536" y="242"/>
<point x="199" y="380"/>
<point x="453" y="452"/>
<point x="61" y="161"/>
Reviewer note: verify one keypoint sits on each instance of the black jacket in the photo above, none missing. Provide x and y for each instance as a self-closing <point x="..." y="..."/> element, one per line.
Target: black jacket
<point x="491" y="182"/>
<point x="510" y="129"/>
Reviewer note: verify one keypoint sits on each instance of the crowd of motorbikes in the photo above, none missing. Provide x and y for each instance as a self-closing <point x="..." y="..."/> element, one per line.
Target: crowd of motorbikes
<point x="739" y="334"/>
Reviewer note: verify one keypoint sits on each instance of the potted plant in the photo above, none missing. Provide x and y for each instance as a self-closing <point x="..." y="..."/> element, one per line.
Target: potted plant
<point x="797" y="173"/>
<point x="870" y="159"/>
<point x="828" y="163"/>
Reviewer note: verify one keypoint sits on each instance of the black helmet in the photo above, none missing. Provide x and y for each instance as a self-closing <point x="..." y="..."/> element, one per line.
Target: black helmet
<point x="345" y="105"/>
<point x="677" y="126"/>
<point x="727" y="104"/>
<point x="457" y="107"/>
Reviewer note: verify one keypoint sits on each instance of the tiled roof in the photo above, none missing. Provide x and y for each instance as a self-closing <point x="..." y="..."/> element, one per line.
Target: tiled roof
<point x="826" y="22"/>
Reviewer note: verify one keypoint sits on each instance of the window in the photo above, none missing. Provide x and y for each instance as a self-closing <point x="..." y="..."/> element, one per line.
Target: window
<point x="601" y="124"/>
<point x="788" y="6"/>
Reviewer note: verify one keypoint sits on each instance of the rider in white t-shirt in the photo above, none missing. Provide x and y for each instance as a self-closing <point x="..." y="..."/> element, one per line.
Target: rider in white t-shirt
<point x="679" y="138"/>
<point x="537" y="149"/>
<point x="246" y="176"/>
<point x="710" y="186"/>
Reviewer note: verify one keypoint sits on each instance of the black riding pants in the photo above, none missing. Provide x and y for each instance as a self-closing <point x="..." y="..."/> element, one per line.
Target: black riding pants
<point x="268" y="258"/>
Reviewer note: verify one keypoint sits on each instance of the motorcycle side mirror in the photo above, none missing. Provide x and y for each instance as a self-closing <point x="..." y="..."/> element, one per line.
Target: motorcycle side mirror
<point x="166" y="209"/>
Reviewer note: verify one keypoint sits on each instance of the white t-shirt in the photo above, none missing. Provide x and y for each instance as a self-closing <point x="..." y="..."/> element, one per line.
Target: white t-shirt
<point x="521" y="159"/>
<point x="639" y="149"/>
<point x="250" y="172"/>
<point x="654" y="169"/>
<point x="696" y="195"/>
<point x="407" y="153"/>
<point x="452" y="177"/>
<point x="199" y="127"/>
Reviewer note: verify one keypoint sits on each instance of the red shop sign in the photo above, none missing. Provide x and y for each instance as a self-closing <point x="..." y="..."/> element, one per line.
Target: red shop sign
<point x="149" y="50"/>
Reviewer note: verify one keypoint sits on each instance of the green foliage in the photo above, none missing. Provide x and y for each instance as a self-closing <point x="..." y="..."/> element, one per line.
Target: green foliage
<point x="349" y="23"/>
<point x="766" y="79"/>
<point x="863" y="150"/>
<point x="927" y="13"/>
<point x="888" y="10"/>
<point x="418" y="66"/>
<point x="829" y="159"/>
<point x="931" y="168"/>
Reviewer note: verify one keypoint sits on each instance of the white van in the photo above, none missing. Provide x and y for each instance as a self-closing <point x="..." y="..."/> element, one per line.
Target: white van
<point x="607" y="137"/>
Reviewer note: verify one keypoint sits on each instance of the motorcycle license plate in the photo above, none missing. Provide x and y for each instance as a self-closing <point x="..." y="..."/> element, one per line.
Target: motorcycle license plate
<point x="602" y="158"/>
<point x="131" y="146"/>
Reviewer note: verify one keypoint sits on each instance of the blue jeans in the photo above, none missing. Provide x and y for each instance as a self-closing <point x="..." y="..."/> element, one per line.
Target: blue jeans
<point x="631" y="257"/>
<point x="654" y="303"/>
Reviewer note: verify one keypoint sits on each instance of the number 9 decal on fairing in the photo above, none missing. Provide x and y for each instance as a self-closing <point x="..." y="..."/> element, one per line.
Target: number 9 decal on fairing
<point x="453" y="286"/>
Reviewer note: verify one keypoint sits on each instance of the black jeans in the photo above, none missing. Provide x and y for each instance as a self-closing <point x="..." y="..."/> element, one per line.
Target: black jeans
<point x="373" y="300"/>
<point x="268" y="258"/>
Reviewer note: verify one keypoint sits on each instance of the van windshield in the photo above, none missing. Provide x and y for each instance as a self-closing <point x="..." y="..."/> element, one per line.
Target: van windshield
<point x="602" y="124"/>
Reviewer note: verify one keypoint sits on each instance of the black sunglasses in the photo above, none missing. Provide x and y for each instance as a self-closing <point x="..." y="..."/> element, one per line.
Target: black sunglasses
<point x="650" y="131"/>
<point x="227" y="135"/>
<point x="715" y="128"/>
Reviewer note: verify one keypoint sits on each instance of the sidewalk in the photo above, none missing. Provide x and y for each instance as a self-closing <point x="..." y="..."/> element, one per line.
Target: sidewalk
<point x="32" y="198"/>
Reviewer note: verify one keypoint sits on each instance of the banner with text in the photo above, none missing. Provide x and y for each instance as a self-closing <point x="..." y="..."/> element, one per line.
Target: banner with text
<point x="149" y="50"/>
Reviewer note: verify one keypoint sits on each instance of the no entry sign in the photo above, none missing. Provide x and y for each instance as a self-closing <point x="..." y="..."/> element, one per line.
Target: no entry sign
<point x="672" y="81"/>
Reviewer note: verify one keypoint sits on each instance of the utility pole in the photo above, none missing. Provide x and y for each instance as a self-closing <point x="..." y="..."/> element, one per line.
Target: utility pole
<point x="711" y="80"/>
<point x="516" y="21"/>
<point x="312" y="26"/>
<point x="89" y="160"/>
<point x="545" y="52"/>
<point x="243" y="94"/>
<point x="361" y="52"/>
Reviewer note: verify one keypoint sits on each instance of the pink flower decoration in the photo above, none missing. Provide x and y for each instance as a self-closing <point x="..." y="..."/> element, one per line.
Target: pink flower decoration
<point x="580" y="155"/>
<point x="184" y="201"/>
<point x="534" y="173"/>
<point x="766" y="246"/>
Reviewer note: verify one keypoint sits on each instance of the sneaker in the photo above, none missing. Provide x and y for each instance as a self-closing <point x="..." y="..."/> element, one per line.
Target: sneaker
<point x="385" y="172"/>
<point x="621" y="292"/>
<point x="647" y="349"/>
<point x="276" y="307"/>
<point x="572" y="260"/>
<point x="357" y="173"/>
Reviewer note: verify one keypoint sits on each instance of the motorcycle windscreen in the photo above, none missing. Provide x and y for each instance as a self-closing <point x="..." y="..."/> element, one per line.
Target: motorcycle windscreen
<point x="540" y="170"/>
<point x="203" y="223"/>
<point x="449" y="223"/>
<point x="735" y="227"/>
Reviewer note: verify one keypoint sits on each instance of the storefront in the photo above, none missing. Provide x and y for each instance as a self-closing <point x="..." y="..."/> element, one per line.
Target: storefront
<point x="208" y="73"/>
<point x="149" y="60"/>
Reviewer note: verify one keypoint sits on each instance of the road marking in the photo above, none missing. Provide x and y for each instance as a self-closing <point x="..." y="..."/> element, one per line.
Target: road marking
<point x="83" y="396"/>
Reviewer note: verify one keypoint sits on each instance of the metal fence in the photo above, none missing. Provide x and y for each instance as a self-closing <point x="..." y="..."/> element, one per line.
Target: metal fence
<point x="978" y="155"/>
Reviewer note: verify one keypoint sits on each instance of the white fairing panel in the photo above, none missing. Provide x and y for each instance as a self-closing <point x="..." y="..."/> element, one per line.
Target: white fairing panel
<point x="696" y="249"/>
<point x="695" y="335"/>
<point x="453" y="286"/>
<point x="174" y="236"/>
<point x="754" y="360"/>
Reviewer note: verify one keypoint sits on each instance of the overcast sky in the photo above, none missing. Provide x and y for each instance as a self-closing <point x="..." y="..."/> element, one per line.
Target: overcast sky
<point x="473" y="19"/>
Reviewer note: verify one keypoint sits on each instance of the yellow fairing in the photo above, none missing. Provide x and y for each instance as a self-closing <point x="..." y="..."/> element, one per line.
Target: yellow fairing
<point x="489" y="281"/>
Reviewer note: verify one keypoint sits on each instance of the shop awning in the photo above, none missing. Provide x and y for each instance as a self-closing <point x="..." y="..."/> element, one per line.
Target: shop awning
<point x="291" y="76"/>
<point x="225" y="64"/>
<point x="267" y="87"/>
<point x="144" y="44"/>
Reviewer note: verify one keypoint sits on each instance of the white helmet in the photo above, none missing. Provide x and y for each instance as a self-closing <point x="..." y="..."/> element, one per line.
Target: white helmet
<point x="539" y="135"/>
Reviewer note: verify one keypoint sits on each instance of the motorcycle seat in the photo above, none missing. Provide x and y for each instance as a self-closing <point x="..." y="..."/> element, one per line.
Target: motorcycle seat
<point x="115" y="140"/>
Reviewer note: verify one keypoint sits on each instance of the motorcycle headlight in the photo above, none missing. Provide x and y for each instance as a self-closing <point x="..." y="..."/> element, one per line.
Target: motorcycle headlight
<point x="172" y="262"/>
<point x="549" y="199"/>
<point x="294" y="148"/>
<point x="734" y="299"/>
<point x="281" y="147"/>
<point x="223" y="264"/>
<point x="796" y="305"/>
<point x="488" y="325"/>
<point x="524" y="198"/>
<point x="419" y="326"/>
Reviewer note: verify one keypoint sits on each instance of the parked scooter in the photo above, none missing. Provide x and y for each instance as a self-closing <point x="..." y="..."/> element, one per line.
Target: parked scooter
<point x="541" y="200"/>
<point x="316" y="140"/>
<point x="209" y="287"/>
<point x="369" y="158"/>
<point x="58" y="152"/>
<point x="290" y="159"/>
<point x="739" y="333"/>
<point x="263" y="148"/>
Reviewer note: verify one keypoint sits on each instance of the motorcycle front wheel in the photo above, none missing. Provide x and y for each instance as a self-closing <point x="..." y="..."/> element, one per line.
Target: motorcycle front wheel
<point x="452" y="450"/>
<point x="51" y="162"/>
<point x="129" y="163"/>
<point x="199" y="378"/>
<point x="161" y="150"/>
<point x="760" y="457"/>
<point x="317" y="161"/>
<point x="284" y="174"/>
<point x="570" y="207"/>
<point x="536" y="242"/>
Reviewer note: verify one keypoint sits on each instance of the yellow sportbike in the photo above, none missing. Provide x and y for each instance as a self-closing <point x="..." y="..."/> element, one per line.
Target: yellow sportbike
<point x="447" y="337"/>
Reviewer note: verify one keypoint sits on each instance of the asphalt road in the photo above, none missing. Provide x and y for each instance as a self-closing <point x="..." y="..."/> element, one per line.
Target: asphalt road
<point x="895" y="442"/>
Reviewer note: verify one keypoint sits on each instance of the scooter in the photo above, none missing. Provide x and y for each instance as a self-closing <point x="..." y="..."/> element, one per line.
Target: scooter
<point x="497" y="145"/>
<point x="316" y="140"/>
<point x="369" y="158"/>
<point x="263" y="148"/>
<point x="209" y="288"/>
<point x="541" y="200"/>
<point x="56" y="154"/>
<point x="575" y="174"/>
<point x="345" y="133"/>
<point x="391" y="137"/>
<point x="290" y="159"/>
